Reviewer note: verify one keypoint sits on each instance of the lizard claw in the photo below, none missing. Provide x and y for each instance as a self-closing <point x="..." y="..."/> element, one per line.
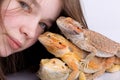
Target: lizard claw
<point x="83" y="64"/>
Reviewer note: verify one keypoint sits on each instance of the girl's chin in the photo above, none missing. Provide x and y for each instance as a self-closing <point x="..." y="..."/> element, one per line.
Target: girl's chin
<point x="8" y="51"/>
<point x="5" y="53"/>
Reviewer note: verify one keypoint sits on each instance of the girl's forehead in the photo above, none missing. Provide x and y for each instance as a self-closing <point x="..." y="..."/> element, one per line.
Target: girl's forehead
<point x="49" y="9"/>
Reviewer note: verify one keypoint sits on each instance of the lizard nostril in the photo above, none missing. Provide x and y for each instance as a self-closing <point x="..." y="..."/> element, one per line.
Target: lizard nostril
<point x="60" y="43"/>
<point x="54" y="62"/>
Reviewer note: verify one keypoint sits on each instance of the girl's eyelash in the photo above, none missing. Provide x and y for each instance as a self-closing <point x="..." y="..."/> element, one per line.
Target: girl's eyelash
<point x="26" y="7"/>
<point x="43" y="26"/>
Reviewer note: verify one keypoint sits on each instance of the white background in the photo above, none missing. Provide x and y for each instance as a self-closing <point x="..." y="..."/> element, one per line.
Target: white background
<point x="103" y="16"/>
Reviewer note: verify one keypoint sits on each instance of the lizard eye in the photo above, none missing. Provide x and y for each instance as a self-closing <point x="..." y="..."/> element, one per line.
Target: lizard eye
<point x="78" y="28"/>
<point x="48" y="35"/>
<point x="60" y="43"/>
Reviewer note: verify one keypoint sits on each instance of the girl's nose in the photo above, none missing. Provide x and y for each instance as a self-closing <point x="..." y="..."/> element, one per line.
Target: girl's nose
<point x="29" y="30"/>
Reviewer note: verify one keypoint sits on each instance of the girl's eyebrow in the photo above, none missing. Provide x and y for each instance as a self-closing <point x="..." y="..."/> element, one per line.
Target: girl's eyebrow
<point x="49" y="21"/>
<point x="35" y="3"/>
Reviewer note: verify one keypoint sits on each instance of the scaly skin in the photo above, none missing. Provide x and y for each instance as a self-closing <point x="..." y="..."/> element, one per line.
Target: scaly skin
<point x="52" y="69"/>
<point x="72" y="56"/>
<point x="88" y="40"/>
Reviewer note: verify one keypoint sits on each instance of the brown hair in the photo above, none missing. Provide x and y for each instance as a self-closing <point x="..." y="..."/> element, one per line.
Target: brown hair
<point x="73" y="9"/>
<point x="15" y="62"/>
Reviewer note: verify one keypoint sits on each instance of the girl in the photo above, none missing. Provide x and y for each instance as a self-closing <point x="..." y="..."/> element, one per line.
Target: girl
<point x="22" y="21"/>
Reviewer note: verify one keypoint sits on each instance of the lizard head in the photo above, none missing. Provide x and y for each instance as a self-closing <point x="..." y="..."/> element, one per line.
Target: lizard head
<point x="54" y="43"/>
<point x="69" y="25"/>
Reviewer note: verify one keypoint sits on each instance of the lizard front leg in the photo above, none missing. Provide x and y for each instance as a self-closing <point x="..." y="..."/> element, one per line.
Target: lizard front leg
<point x="82" y="76"/>
<point x="84" y="62"/>
<point x="72" y="63"/>
<point x="75" y="71"/>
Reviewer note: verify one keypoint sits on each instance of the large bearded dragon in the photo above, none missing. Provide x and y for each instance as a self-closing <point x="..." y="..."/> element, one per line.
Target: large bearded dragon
<point x="88" y="40"/>
<point x="72" y="56"/>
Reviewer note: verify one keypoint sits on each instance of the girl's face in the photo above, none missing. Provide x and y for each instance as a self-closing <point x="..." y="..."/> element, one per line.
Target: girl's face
<point x="24" y="21"/>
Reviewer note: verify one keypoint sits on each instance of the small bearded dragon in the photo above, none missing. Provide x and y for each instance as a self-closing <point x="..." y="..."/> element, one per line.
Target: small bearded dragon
<point x="72" y="56"/>
<point x="88" y="40"/>
<point x="52" y="69"/>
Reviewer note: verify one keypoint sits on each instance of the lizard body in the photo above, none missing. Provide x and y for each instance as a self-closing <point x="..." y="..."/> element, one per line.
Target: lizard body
<point x="103" y="46"/>
<point x="88" y="40"/>
<point x="72" y="55"/>
<point x="52" y="69"/>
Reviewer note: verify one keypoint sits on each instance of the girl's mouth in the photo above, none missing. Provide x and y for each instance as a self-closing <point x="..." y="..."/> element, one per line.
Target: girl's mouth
<point x="14" y="44"/>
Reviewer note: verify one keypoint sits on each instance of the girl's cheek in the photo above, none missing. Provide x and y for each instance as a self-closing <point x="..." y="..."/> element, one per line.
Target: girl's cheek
<point x="10" y="20"/>
<point x="13" y="13"/>
<point x="12" y="17"/>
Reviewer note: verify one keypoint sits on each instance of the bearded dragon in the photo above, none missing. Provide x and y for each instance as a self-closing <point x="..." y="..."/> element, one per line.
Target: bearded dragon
<point x="72" y="56"/>
<point x="52" y="69"/>
<point x="88" y="40"/>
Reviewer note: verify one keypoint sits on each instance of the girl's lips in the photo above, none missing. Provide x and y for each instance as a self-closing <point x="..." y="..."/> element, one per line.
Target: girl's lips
<point x="15" y="44"/>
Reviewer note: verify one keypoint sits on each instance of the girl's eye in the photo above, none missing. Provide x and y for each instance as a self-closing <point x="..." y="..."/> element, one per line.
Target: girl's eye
<point x="43" y="26"/>
<point x="25" y="6"/>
